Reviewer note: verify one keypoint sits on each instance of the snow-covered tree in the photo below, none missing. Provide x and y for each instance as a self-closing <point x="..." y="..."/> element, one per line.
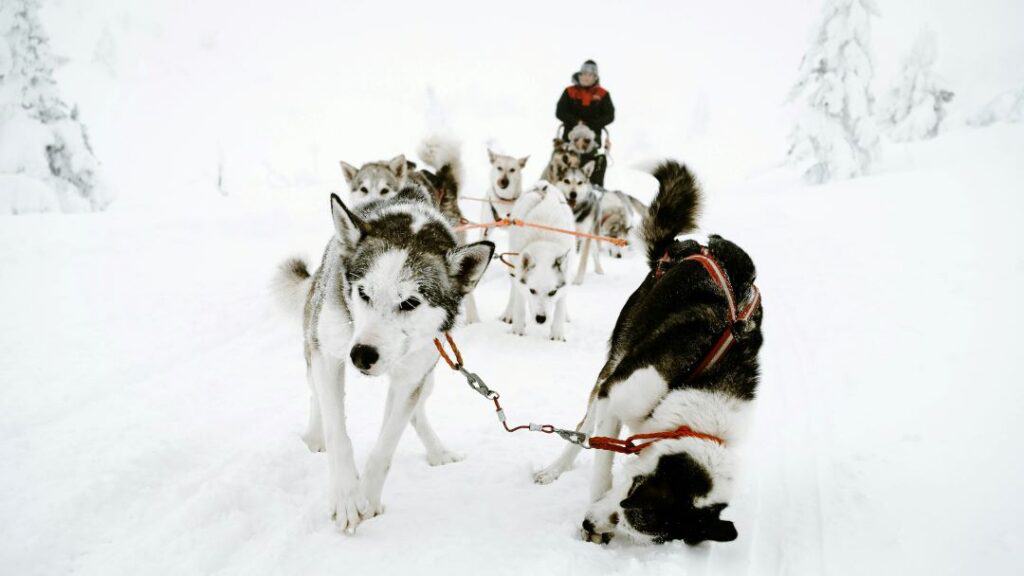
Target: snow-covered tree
<point x="1007" y="107"/>
<point x="916" y="105"/>
<point x="835" y="130"/>
<point x="43" y="144"/>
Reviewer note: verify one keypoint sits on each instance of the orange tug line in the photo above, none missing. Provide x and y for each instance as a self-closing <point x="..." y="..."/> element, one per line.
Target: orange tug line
<point x="506" y="222"/>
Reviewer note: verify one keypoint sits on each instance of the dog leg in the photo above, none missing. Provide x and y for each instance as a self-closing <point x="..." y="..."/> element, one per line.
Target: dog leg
<point x="345" y="503"/>
<point x="472" y="315"/>
<point x="564" y="462"/>
<point x="437" y="454"/>
<point x="396" y="419"/>
<point x="598" y="269"/>
<point x="507" y="316"/>
<point x="314" y="436"/>
<point x="518" y="313"/>
<point x="558" y="322"/>
<point x="599" y="522"/>
<point x="582" y="270"/>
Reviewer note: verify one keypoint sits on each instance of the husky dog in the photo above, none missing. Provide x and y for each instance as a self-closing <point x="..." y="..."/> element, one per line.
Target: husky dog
<point x="582" y="139"/>
<point x="585" y="202"/>
<point x="391" y="280"/>
<point x="676" y="488"/>
<point x="563" y="157"/>
<point x="506" y="186"/>
<point x="619" y="215"/>
<point x="538" y="280"/>
<point x="381" y="180"/>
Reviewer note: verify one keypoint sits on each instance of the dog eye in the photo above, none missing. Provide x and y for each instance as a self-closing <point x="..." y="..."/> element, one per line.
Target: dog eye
<point x="409" y="304"/>
<point x="567" y="181"/>
<point x="552" y="293"/>
<point x="532" y="291"/>
<point x="364" y="190"/>
<point x="384" y="191"/>
<point x="512" y="170"/>
<point x="363" y="295"/>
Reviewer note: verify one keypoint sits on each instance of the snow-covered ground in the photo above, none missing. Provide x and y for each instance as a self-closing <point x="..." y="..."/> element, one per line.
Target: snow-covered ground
<point x="152" y="396"/>
<point x="153" y="399"/>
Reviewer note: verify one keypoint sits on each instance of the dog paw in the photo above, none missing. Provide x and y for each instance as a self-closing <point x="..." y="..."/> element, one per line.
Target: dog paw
<point x="547" y="475"/>
<point x="519" y="330"/>
<point x="348" y="510"/>
<point x="443" y="457"/>
<point x="506" y="318"/>
<point x="315" y="442"/>
<point x="558" y="336"/>
<point x="598" y="533"/>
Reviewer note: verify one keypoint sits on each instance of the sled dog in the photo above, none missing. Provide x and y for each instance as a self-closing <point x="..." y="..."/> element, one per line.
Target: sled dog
<point x="391" y="280"/>
<point x="563" y="157"/>
<point x="620" y="213"/>
<point x="674" y="489"/>
<point x="538" y="280"/>
<point x="582" y="139"/>
<point x="506" y="187"/>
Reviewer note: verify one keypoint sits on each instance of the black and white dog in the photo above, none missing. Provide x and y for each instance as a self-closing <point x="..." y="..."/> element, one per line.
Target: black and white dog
<point x="391" y="280"/>
<point x="675" y="488"/>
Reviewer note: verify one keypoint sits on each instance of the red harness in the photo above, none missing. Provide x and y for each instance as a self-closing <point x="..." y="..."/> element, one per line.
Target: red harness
<point x="722" y="345"/>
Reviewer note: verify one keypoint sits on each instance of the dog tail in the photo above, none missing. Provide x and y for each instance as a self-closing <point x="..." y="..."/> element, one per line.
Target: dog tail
<point x="674" y="210"/>
<point x="443" y="155"/>
<point x="291" y="284"/>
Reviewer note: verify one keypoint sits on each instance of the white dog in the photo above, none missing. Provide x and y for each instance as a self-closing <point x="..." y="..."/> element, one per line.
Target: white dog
<point x="544" y="260"/>
<point x="506" y="187"/>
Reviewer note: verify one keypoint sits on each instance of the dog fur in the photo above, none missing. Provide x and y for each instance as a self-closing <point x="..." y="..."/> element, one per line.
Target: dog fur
<point x="582" y="139"/>
<point x="563" y="158"/>
<point x="539" y="278"/>
<point x="675" y="489"/>
<point x="620" y="215"/>
<point x="391" y="280"/>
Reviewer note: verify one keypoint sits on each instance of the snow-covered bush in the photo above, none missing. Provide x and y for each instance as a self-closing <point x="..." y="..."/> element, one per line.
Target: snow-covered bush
<point x="835" y="131"/>
<point x="915" y="107"/>
<point x="1007" y="107"/>
<point x="41" y="137"/>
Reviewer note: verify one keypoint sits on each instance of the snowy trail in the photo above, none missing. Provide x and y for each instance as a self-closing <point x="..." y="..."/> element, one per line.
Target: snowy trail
<point x="153" y="407"/>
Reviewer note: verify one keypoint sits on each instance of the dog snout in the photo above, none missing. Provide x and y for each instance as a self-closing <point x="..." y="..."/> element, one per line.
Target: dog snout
<point x="364" y="357"/>
<point x="572" y="195"/>
<point x="540" y="318"/>
<point x="503" y="183"/>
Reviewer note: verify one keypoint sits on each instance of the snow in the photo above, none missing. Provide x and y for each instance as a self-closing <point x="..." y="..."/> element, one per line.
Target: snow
<point x="153" y="397"/>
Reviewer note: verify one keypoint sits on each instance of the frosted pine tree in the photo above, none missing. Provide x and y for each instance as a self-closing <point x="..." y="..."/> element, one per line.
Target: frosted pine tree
<point x="916" y="105"/>
<point x="835" y="131"/>
<point x="46" y="161"/>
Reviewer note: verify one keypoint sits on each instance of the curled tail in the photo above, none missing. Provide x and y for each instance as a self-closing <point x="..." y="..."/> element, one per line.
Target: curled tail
<point x="674" y="210"/>
<point x="291" y="284"/>
<point x="442" y="154"/>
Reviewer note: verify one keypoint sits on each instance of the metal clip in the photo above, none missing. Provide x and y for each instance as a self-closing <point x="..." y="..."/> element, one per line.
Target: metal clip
<point x="476" y="383"/>
<point x="573" y="437"/>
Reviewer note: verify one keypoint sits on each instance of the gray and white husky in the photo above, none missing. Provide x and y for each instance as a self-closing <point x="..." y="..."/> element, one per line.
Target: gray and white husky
<point x="506" y="187"/>
<point x="539" y="278"/>
<point x="585" y="202"/>
<point x="391" y="280"/>
<point x="620" y="217"/>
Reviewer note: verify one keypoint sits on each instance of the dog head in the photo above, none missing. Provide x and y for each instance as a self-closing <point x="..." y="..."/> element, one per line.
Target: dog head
<point x="506" y="175"/>
<point x="582" y="139"/>
<point x="541" y="274"/>
<point x="575" y="183"/>
<point x="615" y="224"/>
<point x="563" y="157"/>
<point x="375" y="180"/>
<point x="672" y="496"/>
<point x="405" y="275"/>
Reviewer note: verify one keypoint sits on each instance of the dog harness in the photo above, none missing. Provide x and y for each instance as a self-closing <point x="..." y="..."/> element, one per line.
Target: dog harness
<point x="738" y="323"/>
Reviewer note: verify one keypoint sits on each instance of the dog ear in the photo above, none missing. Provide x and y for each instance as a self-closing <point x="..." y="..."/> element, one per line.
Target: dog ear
<point x="491" y="156"/>
<point x="522" y="161"/>
<point x="468" y="263"/>
<point x="721" y="531"/>
<point x="588" y="168"/>
<point x="349" y="171"/>
<point x="561" y="260"/>
<point x="398" y="166"/>
<point x="524" y="261"/>
<point x="349" y="227"/>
